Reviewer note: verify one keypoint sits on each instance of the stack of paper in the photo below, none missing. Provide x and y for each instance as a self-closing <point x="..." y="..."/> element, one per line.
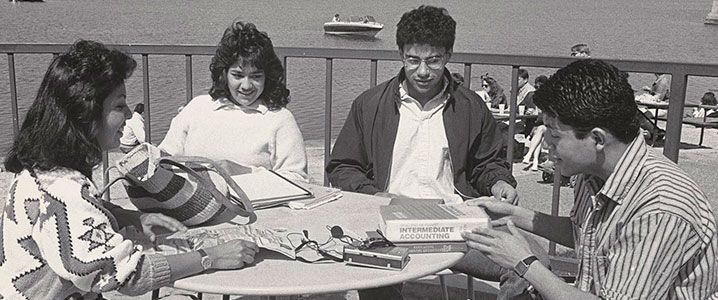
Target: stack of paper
<point x="322" y="195"/>
<point x="266" y="188"/>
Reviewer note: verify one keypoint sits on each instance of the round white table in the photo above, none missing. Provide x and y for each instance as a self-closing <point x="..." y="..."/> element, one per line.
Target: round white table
<point x="273" y="274"/>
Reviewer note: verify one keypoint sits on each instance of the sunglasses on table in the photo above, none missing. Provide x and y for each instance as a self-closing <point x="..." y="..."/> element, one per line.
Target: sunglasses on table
<point x="307" y="243"/>
<point x="337" y="233"/>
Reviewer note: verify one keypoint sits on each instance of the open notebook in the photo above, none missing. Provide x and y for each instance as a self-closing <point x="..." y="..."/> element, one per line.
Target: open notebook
<point x="266" y="188"/>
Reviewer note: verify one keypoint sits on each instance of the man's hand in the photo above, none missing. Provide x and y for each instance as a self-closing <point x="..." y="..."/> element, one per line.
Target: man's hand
<point x="504" y="248"/>
<point x="500" y="212"/>
<point x="503" y="191"/>
<point x="155" y="219"/>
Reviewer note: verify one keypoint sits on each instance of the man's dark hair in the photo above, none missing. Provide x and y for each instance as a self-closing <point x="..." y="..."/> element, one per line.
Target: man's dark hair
<point x="140" y="108"/>
<point x="540" y="80"/>
<point x="523" y="74"/>
<point x="589" y="94"/>
<point x="243" y="42"/>
<point x="426" y="25"/>
<point x="709" y="98"/>
<point x="61" y="126"/>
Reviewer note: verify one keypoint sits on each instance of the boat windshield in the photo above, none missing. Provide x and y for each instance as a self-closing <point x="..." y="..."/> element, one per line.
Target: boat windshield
<point x="361" y="19"/>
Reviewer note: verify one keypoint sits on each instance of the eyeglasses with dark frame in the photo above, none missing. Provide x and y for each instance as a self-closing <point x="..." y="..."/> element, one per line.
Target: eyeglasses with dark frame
<point x="434" y="62"/>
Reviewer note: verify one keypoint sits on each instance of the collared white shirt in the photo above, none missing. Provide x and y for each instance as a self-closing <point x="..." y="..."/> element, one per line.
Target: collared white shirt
<point x="421" y="164"/>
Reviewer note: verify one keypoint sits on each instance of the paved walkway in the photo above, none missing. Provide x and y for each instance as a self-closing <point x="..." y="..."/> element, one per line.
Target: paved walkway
<point x="699" y="162"/>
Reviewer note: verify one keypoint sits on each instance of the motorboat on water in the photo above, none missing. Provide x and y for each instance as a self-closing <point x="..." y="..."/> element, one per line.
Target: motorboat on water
<point x="365" y="26"/>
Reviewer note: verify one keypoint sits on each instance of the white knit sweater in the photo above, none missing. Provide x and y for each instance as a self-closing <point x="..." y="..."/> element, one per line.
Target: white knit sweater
<point x="58" y="239"/>
<point x="252" y="136"/>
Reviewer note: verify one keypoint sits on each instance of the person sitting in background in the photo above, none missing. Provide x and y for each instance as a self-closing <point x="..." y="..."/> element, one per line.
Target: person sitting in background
<point x="244" y="120"/>
<point x="458" y="78"/>
<point x="336" y="18"/>
<point x="658" y="92"/>
<point x="134" y="131"/>
<point x="580" y="50"/>
<point x="641" y="226"/>
<point x="58" y="238"/>
<point x="494" y="91"/>
<point x="708" y="98"/>
<point x="525" y="88"/>
<point x="534" y="152"/>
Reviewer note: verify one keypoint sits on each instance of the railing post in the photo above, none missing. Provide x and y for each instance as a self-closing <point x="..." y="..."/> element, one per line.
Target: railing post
<point x="284" y="68"/>
<point x="555" y="201"/>
<point x="512" y="116"/>
<point x="188" y="77"/>
<point x="372" y="73"/>
<point x="674" y="119"/>
<point x="13" y="94"/>
<point x="146" y="93"/>
<point x="467" y="76"/>
<point x="327" y="116"/>
<point x="105" y="175"/>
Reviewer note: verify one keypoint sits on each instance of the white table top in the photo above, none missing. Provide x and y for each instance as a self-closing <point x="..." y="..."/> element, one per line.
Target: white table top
<point x="273" y="274"/>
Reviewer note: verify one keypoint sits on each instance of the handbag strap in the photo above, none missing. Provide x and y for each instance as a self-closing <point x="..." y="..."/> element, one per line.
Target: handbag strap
<point x="107" y="186"/>
<point x="243" y="208"/>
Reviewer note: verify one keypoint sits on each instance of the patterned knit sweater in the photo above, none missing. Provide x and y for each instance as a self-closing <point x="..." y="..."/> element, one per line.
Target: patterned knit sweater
<point x="58" y="240"/>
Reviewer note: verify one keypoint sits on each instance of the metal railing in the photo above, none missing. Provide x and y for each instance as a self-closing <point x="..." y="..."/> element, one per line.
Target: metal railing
<point x="679" y="72"/>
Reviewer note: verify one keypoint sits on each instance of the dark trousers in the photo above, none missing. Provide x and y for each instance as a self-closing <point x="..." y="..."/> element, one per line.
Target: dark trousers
<point x="475" y="264"/>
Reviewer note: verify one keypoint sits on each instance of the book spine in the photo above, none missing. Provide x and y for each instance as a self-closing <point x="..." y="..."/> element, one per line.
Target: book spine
<point x="429" y="231"/>
<point x="434" y="247"/>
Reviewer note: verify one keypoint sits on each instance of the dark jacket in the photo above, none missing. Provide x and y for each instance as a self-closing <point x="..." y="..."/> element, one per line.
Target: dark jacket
<point x="361" y="157"/>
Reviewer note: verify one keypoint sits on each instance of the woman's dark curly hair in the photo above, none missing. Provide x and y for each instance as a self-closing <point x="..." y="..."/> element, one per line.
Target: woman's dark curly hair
<point x="426" y="25"/>
<point x="243" y="42"/>
<point x="61" y="126"/>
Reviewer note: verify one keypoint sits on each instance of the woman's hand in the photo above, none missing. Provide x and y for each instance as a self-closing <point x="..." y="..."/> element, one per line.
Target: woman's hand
<point x="504" y="248"/>
<point x="150" y="220"/>
<point x="234" y="254"/>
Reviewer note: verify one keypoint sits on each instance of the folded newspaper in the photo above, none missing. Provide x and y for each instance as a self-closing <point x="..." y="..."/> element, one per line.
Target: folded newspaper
<point x="203" y="237"/>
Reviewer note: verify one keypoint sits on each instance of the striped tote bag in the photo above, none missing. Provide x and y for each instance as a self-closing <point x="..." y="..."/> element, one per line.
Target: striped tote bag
<point x="193" y="190"/>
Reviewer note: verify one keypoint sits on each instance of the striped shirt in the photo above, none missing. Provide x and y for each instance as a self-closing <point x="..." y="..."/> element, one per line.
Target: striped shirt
<point x="646" y="232"/>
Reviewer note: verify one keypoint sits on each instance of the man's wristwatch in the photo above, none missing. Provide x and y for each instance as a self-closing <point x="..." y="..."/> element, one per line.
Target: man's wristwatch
<point x="205" y="260"/>
<point x="523" y="266"/>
